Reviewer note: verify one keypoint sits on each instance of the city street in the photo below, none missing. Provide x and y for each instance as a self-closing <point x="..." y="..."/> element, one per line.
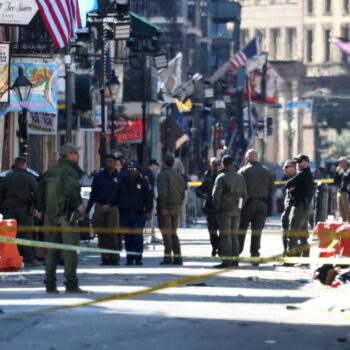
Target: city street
<point x="266" y="307"/>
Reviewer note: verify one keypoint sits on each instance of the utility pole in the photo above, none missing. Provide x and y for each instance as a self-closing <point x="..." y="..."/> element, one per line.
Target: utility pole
<point x="103" y="79"/>
<point x="69" y="79"/>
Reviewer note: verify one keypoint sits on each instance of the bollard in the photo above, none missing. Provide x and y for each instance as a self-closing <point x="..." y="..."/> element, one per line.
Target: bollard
<point x="321" y="203"/>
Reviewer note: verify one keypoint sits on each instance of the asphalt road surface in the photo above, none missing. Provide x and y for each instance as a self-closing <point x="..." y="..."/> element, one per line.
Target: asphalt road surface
<point x="266" y="307"/>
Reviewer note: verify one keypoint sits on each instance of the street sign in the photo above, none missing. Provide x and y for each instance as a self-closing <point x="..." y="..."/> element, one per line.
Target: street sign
<point x="17" y="12"/>
<point x="299" y="105"/>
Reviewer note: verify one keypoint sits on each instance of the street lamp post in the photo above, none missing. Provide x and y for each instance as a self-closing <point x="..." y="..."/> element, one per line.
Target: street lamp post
<point x="117" y="24"/>
<point x="23" y="89"/>
<point x="113" y="86"/>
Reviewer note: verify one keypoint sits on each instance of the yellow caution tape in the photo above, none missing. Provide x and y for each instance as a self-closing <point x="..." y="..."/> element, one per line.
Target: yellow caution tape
<point x="276" y="259"/>
<point x="277" y="182"/>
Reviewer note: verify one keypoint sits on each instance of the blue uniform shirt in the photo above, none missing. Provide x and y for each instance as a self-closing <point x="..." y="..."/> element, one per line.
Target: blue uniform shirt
<point x="103" y="189"/>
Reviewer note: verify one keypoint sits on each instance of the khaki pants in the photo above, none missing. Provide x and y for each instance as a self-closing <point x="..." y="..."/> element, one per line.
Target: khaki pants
<point x="343" y="206"/>
<point x="228" y="231"/>
<point x="113" y="240"/>
<point x="70" y="257"/>
<point x="168" y="225"/>
<point x="298" y="234"/>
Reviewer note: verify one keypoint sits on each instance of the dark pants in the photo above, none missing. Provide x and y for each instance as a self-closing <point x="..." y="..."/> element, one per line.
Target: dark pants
<point x="254" y="212"/>
<point x="298" y="233"/>
<point x="133" y="224"/>
<point x="213" y="230"/>
<point x="168" y="226"/>
<point x="113" y="240"/>
<point x="70" y="257"/>
<point x="229" y="247"/>
<point x="20" y="214"/>
<point x="285" y="226"/>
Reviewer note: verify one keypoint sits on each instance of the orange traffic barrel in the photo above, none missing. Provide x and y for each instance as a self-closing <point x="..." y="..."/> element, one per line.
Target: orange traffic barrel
<point x="10" y="260"/>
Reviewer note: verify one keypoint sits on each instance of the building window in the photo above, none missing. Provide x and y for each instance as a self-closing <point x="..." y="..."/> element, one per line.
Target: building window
<point x="290" y="42"/>
<point x="346" y="6"/>
<point x="310" y="7"/>
<point x="309" y="45"/>
<point x="327" y="7"/>
<point x="275" y="42"/>
<point x="327" y="45"/>
<point x="261" y="34"/>
<point x="345" y="34"/>
<point x="244" y="37"/>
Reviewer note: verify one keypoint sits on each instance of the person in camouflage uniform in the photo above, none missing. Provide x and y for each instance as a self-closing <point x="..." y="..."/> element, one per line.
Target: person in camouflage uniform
<point x="63" y="205"/>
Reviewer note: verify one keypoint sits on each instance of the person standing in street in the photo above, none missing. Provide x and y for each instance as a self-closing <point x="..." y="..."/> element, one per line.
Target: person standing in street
<point x="229" y="194"/>
<point x="135" y="198"/>
<point x="301" y="190"/>
<point x="20" y="200"/>
<point x="342" y="180"/>
<point x="205" y="191"/>
<point x="260" y="187"/>
<point x="63" y="205"/>
<point x="290" y="170"/>
<point x="106" y="216"/>
<point x="171" y="194"/>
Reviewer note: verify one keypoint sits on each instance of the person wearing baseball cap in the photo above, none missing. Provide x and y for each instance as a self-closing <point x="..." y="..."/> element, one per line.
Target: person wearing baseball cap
<point x="63" y="206"/>
<point x="301" y="191"/>
<point x="342" y="181"/>
<point x="135" y="202"/>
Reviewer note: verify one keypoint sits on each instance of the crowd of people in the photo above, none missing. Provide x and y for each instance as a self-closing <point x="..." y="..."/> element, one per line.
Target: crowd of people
<point x="124" y="196"/>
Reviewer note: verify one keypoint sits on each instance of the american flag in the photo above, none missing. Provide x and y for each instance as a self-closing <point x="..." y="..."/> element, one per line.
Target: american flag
<point x="252" y="49"/>
<point x="61" y="18"/>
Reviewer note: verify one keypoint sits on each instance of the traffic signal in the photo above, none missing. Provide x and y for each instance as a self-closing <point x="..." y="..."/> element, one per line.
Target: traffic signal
<point x="269" y="126"/>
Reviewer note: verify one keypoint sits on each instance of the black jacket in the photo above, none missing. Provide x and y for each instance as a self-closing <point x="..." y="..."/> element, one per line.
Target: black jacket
<point x="205" y="191"/>
<point x="134" y="195"/>
<point x="303" y="182"/>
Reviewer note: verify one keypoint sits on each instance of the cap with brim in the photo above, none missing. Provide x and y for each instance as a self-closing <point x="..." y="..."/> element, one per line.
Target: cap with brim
<point x="133" y="165"/>
<point x="68" y="148"/>
<point x="301" y="157"/>
<point x="343" y="159"/>
<point x="153" y="162"/>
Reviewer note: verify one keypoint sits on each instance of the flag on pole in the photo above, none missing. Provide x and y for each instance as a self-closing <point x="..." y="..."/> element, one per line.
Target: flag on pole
<point x="343" y="44"/>
<point x="61" y="18"/>
<point x="241" y="58"/>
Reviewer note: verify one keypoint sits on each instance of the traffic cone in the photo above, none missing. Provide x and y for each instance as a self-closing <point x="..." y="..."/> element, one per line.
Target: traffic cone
<point x="10" y="260"/>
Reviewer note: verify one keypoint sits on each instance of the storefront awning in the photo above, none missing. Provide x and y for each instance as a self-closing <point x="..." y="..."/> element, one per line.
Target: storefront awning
<point x="141" y="27"/>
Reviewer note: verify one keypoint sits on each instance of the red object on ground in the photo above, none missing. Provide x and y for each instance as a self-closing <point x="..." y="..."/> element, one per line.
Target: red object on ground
<point x="326" y="232"/>
<point x="10" y="260"/>
<point x="344" y="239"/>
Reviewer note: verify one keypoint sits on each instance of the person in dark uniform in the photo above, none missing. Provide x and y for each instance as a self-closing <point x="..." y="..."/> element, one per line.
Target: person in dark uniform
<point x="20" y="200"/>
<point x="103" y="189"/>
<point x="135" y="198"/>
<point x="148" y="173"/>
<point x="260" y="187"/>
<point x="342" y="180"/>
<point x="204" y="191"/>
<point x="290" y="169"/>
<point x="301" y="190"/>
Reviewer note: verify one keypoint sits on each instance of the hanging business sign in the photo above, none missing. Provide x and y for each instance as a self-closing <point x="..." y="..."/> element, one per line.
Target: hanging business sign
<point x="4" y="72"/>
<point x="41" y="123"/>
<point x="17" y="12"/>
<point x="128" y="130"/>
<point x="42" y="104"/>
